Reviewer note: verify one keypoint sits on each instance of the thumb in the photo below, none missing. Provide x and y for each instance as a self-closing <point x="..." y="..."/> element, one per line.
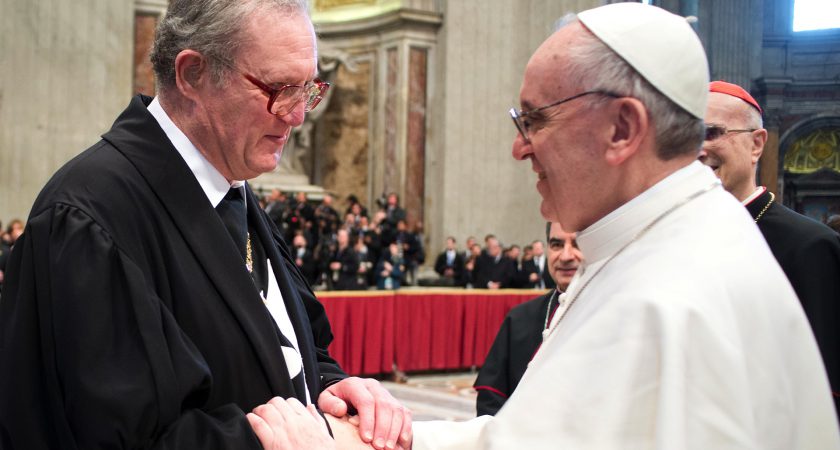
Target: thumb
<point x="328" y="402"/>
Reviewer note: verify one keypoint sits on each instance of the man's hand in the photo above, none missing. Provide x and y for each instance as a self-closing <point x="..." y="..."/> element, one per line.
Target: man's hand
<point x="288" y="425"/>
<point x="383" y="421"/>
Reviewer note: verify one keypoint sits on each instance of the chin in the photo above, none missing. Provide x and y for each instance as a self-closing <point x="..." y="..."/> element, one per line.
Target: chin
<point x="548" y="211"/>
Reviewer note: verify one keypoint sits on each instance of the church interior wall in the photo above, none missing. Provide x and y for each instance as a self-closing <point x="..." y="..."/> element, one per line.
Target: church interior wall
<point x="68" y="70"/>
<point x="66" y="73"/>
<point x="482" y="55"/>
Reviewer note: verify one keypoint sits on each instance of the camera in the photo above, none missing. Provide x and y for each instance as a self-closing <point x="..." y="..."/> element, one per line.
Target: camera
<point x="382" y="201"/>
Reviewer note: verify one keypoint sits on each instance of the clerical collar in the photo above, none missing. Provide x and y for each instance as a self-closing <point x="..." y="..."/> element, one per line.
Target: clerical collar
<point x="212" y="182"/>
<point x="606" y="236"/>
<point x="756" y="193"/>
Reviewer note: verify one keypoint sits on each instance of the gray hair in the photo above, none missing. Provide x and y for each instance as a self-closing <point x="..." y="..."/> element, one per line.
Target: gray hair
<point x="211" y="27"/>
<point x="599" y="68"/>
<point x="751" y="117"/>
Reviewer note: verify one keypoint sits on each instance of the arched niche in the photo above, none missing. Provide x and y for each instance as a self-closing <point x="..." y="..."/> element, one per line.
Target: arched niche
<point x="810" y="166"/>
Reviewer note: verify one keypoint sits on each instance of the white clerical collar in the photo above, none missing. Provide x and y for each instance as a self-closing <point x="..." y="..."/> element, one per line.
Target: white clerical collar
<point x="756" y="193"/>
<point x="213" y="183"/>
<point x="606" y="236"/>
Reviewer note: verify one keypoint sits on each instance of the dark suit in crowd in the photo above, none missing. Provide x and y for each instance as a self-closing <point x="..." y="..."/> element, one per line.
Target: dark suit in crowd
<point x="544" y="280"/>
<point x="344" y="279"/>
<point x="455" y="262"/>
<point x="499" y="269"/>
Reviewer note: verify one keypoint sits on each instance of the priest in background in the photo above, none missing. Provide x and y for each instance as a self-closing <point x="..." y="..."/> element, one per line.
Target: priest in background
<point x="521" y="332"/>
<point x="807" y="250"/>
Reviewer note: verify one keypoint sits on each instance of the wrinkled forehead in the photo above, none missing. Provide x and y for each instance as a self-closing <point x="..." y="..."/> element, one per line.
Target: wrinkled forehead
<point x="557" y="232"/>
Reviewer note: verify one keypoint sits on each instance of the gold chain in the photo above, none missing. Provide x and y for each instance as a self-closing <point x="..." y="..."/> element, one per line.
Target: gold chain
<point x="249" y="262"/>
<point x="766" y="207"/>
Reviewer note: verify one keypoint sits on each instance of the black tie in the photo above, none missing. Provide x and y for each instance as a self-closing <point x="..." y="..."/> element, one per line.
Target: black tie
<point x="232" y="211"/>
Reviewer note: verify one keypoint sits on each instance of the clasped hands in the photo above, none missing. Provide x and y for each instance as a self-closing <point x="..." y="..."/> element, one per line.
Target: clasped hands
<point x="382" y="422"/>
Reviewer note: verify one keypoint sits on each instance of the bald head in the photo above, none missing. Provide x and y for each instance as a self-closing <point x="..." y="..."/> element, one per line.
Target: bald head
<point x="734" y="149"/>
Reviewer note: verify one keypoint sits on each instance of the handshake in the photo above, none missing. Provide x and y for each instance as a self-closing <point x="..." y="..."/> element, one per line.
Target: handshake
<point x="382" y="423"/>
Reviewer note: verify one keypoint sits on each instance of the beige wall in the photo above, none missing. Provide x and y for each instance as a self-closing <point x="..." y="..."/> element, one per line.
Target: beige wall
<point x="474" y="186"/>
<point x="65" y="73"/>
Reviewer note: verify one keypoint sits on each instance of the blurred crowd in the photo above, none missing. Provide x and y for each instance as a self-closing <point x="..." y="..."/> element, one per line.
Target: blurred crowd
<point x="357" y="249"/>
<point x="353" y="250"/>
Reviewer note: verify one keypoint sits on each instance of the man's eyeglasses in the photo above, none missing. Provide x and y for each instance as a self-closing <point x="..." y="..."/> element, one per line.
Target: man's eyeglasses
<point x="714" y="132"/>
<point x="520" y="118"/>
<point x="283" y="99"/>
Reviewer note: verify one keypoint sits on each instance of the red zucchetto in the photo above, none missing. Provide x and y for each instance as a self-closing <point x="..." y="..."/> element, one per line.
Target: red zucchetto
<point x="734" y="90"/>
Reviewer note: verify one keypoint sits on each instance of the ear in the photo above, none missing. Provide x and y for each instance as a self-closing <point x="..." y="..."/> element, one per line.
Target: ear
<point x="759" y="139"/>
<point x="629" y="128"/>
<point x="191" y="73"/>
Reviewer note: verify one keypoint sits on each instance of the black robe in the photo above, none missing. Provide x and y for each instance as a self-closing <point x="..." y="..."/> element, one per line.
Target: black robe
<point x="128" y="319"/>
<point x="515" y="345"/>
<point x="809" y="253"/>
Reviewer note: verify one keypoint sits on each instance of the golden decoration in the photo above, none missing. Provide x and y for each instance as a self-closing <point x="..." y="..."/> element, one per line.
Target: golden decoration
<point x="821" y="150"/>
<point x="817" y="150"/>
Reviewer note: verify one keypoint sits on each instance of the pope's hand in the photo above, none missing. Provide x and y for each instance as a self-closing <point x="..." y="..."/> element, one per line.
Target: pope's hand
<point x="383" y="421"/>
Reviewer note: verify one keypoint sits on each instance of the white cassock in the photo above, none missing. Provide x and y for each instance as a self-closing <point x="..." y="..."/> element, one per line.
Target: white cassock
<point x="690" y="338"/>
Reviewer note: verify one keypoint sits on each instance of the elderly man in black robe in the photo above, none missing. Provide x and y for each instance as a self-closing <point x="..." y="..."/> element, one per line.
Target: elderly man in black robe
<point x="150" y="302"/>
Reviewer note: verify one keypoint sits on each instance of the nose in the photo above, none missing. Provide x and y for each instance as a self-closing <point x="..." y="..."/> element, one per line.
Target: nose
<point x="567" y="254"/>
<point x="521" y="148"/>
<point x="295" y="116"/>
<point x="703" y="153"/>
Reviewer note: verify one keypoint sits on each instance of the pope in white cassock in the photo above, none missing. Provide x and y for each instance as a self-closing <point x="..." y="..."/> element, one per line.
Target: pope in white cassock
<point x="679" y="330"/>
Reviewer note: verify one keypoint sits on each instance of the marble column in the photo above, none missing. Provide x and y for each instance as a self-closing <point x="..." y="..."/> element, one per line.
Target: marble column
<point x="415" y="173"/>
<point x="396" y="44"/>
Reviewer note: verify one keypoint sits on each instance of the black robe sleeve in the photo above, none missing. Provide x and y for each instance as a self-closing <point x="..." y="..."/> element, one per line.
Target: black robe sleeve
<point x="815" y="277"/>
<point x="89" y="355"/>
<point x="516" y="343"/>
<point x="493" y="381"/>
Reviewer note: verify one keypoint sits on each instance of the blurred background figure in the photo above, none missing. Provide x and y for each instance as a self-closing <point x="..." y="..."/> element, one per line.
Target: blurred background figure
<point x="492" y="270"/>
<point x="450" y="264"/>
<point x="535" y="273"/>
<point x="521" y="333"/>
<point x="390" y="269"/>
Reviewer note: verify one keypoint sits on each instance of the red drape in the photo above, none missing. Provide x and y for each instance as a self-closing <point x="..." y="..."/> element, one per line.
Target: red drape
<point x="416" y="330"/>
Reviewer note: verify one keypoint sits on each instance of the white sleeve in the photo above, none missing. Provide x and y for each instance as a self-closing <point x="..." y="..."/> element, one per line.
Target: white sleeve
<point x="445" y="435"/>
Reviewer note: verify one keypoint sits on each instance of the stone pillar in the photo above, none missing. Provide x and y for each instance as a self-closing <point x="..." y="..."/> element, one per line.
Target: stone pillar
<point x="146" y="17"/>
<point x="396" y="45"/>
<point x="65" y="75"/>
<point x="770" y="94"/>
<point x="769" y="168"/>
<point x="415" y="173"/>
<point x="731" y="32"/>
